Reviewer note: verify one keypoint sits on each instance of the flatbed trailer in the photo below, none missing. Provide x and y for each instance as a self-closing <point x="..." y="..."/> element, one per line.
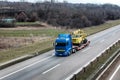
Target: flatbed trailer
<point x="77" y="48"/>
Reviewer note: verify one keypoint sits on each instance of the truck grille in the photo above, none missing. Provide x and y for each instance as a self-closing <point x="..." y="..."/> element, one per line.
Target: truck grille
<point x="60" y="50"/>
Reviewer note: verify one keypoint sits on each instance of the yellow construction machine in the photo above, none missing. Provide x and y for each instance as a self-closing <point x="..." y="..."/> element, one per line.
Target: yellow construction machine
<point x="79" y="37"/>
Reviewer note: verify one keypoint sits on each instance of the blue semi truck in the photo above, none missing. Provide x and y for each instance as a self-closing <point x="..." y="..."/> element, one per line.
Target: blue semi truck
<point x="65" y="47"/>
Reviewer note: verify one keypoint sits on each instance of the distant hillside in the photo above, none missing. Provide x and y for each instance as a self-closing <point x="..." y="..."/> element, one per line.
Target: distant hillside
<point x="65" y="14"/>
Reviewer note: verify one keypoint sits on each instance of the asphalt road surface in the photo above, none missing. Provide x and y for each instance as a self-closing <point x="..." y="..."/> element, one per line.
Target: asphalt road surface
<point x="49" y="67"/>
<point x="115" y="72"/>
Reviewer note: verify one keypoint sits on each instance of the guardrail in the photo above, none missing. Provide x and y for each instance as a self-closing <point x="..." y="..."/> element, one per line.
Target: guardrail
<point x="98" y="73"/>
<point x="82" y="70"/>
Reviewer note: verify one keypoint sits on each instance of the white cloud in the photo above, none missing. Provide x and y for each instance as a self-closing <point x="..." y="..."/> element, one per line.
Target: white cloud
<point x="96" y="1"/>
<point x="80" y="1"/>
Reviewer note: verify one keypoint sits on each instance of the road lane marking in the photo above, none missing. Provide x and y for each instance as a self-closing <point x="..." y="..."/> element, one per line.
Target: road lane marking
<point x="115" y="72"/>
<point x="24" y="68"/>
<point x="51" y="69"/>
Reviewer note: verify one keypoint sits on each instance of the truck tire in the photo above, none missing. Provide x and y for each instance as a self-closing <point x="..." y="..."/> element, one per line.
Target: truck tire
<point x="85" y="41"/>
<point x="79" y="44"/>
<point x="74" y="50"/>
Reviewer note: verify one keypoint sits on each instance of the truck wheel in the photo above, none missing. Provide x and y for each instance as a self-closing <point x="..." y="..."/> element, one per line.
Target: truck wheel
<point x="74" y="51"/>
<point x="79" y="44"/>
<point x="85" y="41"/>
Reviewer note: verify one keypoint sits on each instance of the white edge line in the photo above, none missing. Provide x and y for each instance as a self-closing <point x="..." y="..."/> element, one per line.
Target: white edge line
<point x="114" y="72"/>
<point x="24" y="68"/>
<point x="68" y="78"/>
<point x="51" y="69"/>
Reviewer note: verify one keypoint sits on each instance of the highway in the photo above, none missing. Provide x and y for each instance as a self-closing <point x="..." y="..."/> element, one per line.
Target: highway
<point x="114" y="74"/>
<point x="49" y="67"/>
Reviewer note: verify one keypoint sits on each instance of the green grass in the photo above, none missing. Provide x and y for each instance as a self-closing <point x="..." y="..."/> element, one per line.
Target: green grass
<point x="54" y="32"/>
<point x="94" y="29"/>
<point x="17" y="52"/>
<point x="90" y="71"/>
<point x="28" y="24"/>
<point x="22" y="23"/>
<point x="27" y="33"/>
<point x="30" y="49"/>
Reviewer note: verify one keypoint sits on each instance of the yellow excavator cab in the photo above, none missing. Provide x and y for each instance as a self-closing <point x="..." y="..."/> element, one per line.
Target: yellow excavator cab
<point x="78" y="36"/>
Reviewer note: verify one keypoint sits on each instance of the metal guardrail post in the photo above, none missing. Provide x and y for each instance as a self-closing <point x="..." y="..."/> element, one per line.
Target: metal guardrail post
<point x="74" y="77"/>
<point x="84" y="69"/>
<point x="97" y="59"/>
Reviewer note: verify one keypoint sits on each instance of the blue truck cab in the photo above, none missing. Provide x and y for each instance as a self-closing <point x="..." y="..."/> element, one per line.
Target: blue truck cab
<point x="63" y="45"/>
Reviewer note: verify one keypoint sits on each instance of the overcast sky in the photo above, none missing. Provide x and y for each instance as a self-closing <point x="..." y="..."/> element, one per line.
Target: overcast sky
<point x="78" y="1"/>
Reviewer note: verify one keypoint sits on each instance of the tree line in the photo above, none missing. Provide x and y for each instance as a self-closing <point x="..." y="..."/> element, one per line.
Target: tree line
<point x="66" y="14"/>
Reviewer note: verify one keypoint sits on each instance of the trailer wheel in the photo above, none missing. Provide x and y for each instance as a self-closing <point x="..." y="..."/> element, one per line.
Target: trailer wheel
<point x="85" y="41"/>
<point x="74" y="50"/>
<point x="80" y="44"/>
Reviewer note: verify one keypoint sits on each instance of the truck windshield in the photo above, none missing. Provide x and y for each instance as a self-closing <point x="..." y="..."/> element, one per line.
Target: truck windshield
<point x="60" y="44"/>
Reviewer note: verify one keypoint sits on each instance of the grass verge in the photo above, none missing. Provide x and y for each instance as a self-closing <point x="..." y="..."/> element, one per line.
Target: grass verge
<point x="92" y="69"/>
<point x="46" y="45"/>
<point x="31" y="49"/>
<point x="55" y="32"/>
<point x="28" y="24"/>
<point x="27" y="33"/>
<point x="95" y="29"/>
